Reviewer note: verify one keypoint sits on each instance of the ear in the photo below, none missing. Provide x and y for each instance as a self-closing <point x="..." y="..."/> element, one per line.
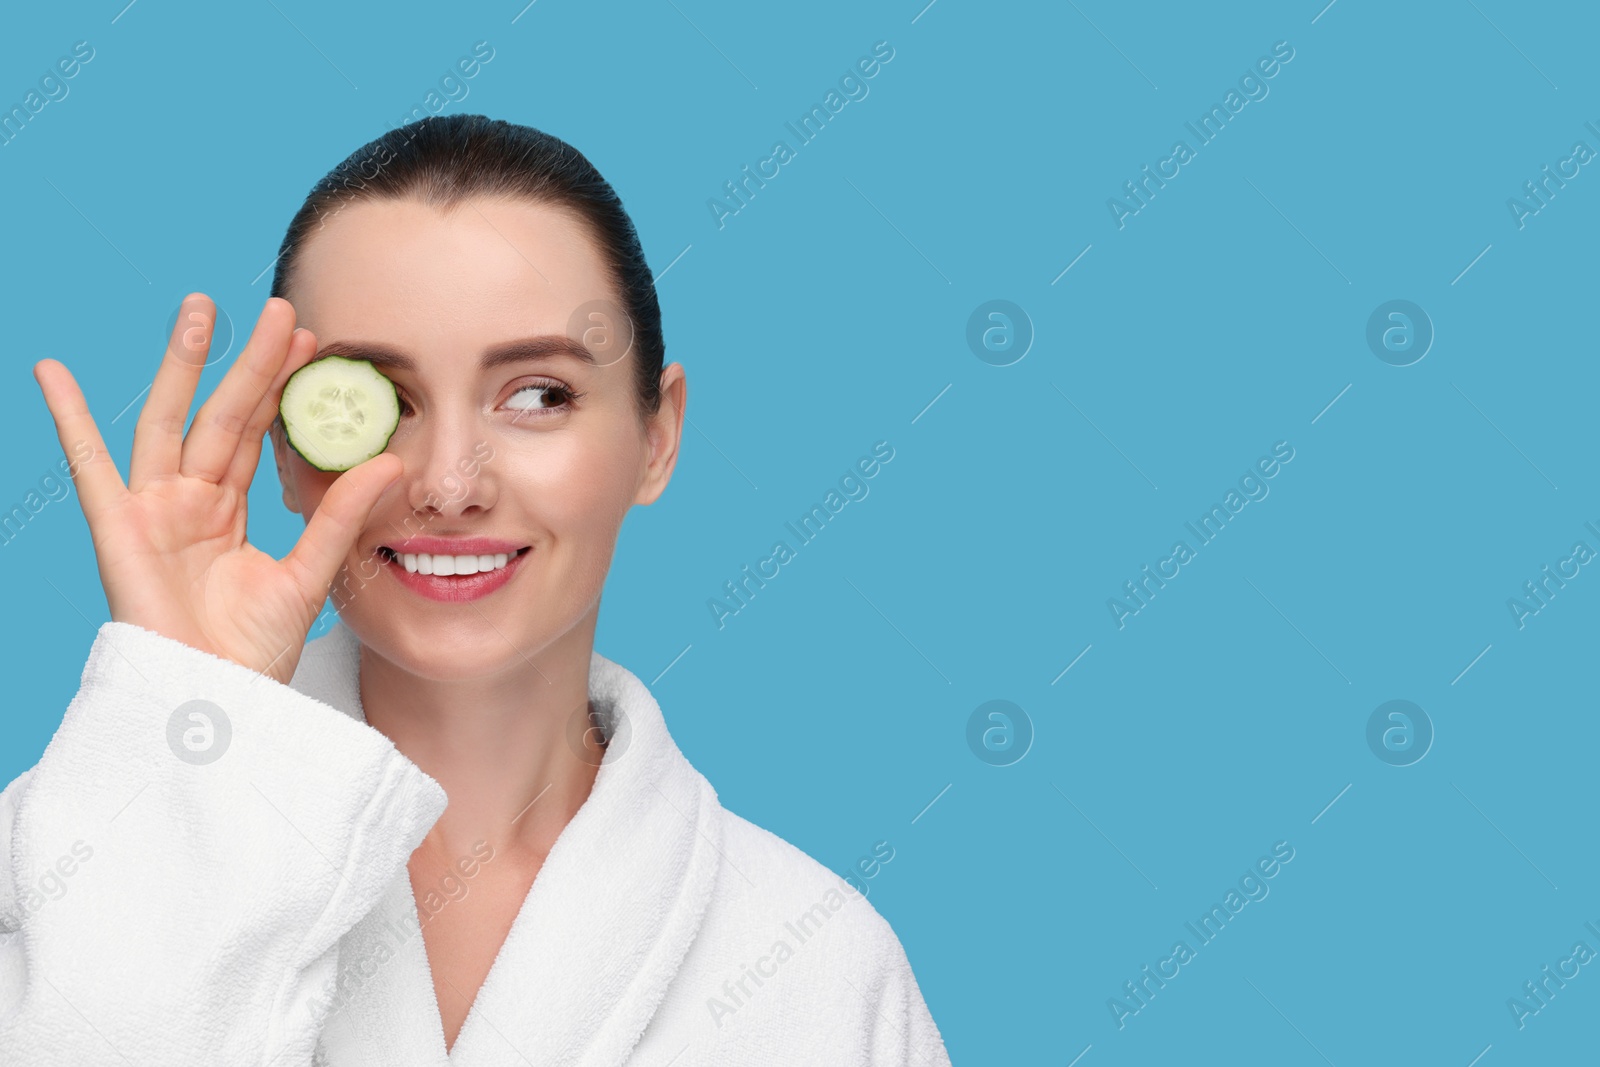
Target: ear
<point x="663" y="433"/>
<point x="280" y="453"/>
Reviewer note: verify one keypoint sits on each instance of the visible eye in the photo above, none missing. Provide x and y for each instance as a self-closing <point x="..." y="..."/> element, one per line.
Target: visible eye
<point x="542" y="397"/>
<point x="532" y="399"/>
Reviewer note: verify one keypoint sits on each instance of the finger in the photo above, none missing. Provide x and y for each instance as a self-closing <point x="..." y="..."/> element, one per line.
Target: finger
<point x="242" y="469"/>
<point x="94" y="471"/>
<point x="337" y="522"/>
<point x="158" y="435"/>
<point x="213" y="439"/>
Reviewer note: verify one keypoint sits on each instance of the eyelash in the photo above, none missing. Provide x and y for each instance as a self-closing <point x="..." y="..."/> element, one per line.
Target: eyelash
<point x="572" y="397"/>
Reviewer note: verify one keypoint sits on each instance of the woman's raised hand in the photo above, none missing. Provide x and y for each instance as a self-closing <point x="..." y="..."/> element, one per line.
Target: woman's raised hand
<point x="171" y="542"/>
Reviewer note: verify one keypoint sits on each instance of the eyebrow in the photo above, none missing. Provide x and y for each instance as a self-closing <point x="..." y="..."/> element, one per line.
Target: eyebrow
<point x="522" y="350"/>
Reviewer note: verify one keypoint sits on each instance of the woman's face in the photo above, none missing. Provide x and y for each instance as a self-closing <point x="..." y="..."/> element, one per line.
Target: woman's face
<point x="544" y="452"/>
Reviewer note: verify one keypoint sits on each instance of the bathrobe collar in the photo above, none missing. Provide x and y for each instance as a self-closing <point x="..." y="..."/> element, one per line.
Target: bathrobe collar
<point x="599" y="937"/>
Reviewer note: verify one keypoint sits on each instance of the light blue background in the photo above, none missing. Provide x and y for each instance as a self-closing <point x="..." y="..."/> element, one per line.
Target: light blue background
<point x="827" y="315"/>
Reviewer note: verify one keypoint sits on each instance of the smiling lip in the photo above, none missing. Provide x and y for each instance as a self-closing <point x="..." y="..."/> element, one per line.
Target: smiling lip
<point x="453" y="588"/>
<point x="454" y="546"/>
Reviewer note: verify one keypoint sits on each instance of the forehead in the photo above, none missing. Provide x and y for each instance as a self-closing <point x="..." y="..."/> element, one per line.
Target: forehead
<point x="485" y="269"/>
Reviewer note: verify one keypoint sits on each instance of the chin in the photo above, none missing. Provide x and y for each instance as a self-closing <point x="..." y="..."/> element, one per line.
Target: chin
<point x="470" y="648"/>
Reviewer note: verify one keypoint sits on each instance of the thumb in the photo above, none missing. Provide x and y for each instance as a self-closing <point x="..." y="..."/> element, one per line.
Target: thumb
<point x="338" y="521"/>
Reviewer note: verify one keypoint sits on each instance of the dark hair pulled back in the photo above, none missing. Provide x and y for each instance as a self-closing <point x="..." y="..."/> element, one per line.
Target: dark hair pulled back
<point x="443" y="161"/>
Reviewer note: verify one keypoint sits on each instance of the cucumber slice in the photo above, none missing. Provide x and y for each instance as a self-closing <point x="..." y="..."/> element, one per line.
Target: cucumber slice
<point x="339" y="412"/>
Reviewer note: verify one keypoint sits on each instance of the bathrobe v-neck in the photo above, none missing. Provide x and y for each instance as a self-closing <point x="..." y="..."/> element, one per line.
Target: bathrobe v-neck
<point x="600" y="935"/>
<point x="207" y="866"/>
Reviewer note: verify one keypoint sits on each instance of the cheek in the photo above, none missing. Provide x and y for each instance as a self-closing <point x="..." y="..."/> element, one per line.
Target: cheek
<point x="582" y="511"/>
<point x="310" y="485"/>
<point x="575" y="496"/>
<point x="583" y="486"/>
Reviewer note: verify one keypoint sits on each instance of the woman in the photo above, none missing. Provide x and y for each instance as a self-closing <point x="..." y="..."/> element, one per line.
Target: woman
<point x="257" y="859"/>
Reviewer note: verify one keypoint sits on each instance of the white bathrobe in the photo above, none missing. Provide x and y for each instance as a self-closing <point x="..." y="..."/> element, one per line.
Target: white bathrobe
<point x="233" y="889"/>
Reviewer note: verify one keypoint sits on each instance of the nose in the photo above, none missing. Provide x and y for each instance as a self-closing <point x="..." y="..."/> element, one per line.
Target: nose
<point x="447" y="470"/>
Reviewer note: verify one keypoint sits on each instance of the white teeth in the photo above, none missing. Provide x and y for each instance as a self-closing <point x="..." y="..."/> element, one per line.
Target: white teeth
<point x="427" y="563"/>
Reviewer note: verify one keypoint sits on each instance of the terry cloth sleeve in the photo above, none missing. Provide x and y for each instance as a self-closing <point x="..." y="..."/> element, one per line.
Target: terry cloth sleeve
<point x="184" y="858"/>
<point x="902" y="1031"/>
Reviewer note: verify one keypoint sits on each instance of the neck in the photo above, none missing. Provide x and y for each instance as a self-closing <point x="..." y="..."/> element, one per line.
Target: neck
<point x="513" y="752"/>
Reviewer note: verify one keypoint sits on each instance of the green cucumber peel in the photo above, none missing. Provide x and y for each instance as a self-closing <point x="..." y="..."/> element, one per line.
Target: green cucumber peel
<point x="339" y="412"/>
